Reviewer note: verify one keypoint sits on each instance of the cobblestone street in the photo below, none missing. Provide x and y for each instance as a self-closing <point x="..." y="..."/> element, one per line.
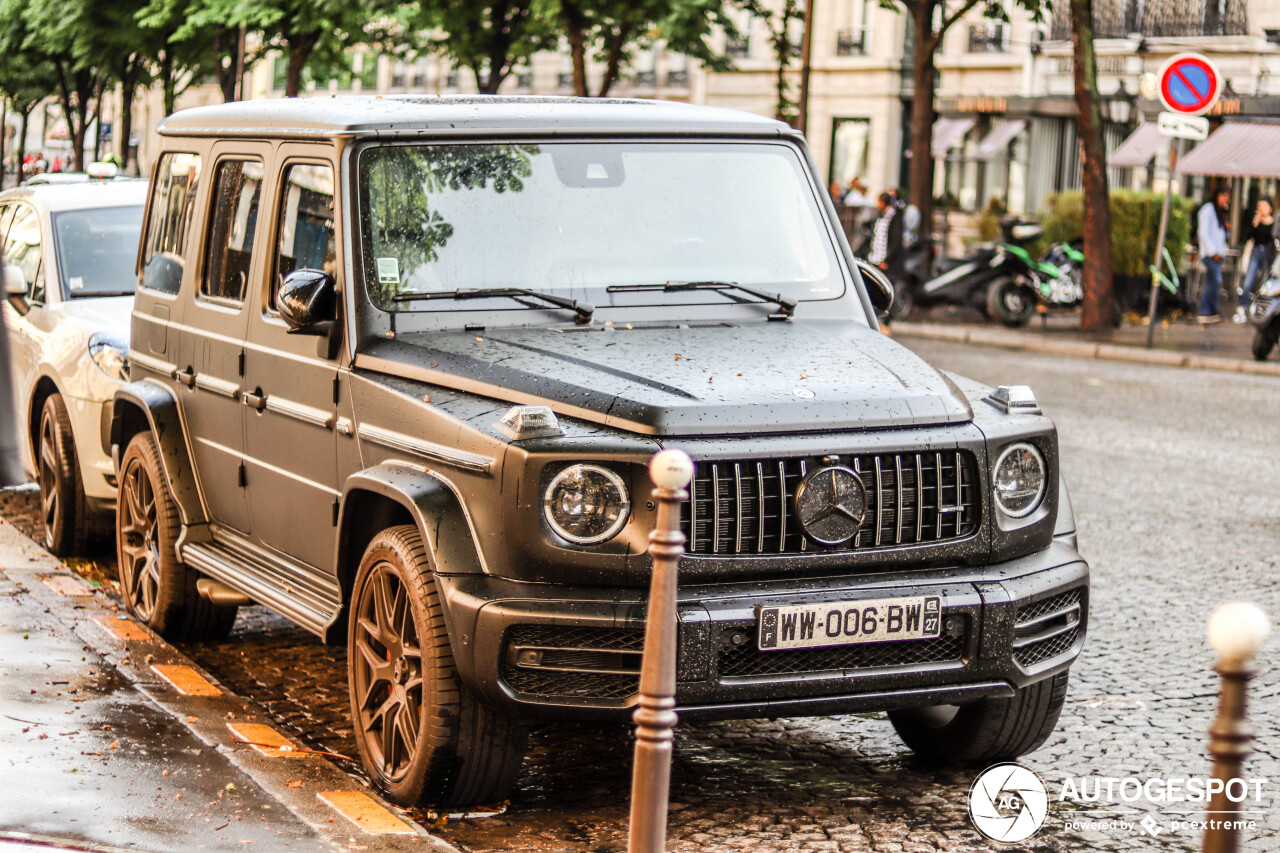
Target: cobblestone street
<point x="1175" y="490"/>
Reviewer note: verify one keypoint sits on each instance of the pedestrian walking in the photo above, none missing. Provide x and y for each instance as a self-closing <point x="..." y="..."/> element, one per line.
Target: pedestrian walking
<point x="886" y="238"/>
<point x="1212" y="235"/>
<point x="1262" y="233"/>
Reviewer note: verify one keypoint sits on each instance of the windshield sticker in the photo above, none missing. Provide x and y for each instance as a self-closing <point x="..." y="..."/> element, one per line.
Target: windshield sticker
<point x="76" y="282"/>
<point x="388" y="271"/>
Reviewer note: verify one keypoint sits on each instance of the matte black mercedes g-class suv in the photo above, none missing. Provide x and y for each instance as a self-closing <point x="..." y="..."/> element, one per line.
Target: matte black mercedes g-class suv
<point x="398" y="367"/>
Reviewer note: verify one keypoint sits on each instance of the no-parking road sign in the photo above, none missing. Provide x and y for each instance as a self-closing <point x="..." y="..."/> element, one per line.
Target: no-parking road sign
<point x="1190" y="84"/>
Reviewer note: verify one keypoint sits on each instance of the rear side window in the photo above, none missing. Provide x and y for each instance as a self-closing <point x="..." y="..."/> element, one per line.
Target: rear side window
<point x="237" y="190"/>
<point x="306" y="223"/>
<point x="172" y="207"/>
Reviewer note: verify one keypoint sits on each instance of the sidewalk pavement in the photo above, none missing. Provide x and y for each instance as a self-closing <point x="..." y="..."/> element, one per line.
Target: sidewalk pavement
<point x="1181" y="343"/>
<point x="111" y="739"/>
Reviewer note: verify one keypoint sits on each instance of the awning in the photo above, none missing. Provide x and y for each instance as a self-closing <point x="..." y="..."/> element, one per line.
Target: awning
<point x="998" y="139"/>
<point x="1241" y="148"/>
<point x="1143" y="144"/>
<point x="947" y="133"/>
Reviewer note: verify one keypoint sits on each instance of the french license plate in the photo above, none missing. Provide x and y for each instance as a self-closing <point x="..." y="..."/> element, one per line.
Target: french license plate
<point x="844" y="623"/>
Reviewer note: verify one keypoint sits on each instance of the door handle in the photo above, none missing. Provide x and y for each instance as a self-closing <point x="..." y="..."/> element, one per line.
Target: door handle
<point x="185" y="377"/>
<point x="256" y="401"/>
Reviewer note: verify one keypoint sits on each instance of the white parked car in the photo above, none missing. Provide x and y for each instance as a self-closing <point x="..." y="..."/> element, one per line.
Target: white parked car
<point x="69" y="253"/>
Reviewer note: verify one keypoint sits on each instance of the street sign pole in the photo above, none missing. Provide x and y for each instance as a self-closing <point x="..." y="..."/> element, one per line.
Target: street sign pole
<point x="1164" y="230"/>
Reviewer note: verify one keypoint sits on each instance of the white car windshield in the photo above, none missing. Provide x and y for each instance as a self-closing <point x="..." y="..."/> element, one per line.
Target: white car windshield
<point x="590" y="221"/>
<point x="96" y="249"/>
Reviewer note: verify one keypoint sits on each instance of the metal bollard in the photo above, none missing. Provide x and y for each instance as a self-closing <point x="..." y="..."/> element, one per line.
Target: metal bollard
<point x="1236" y="632"/>
<point x="655" y="717"/>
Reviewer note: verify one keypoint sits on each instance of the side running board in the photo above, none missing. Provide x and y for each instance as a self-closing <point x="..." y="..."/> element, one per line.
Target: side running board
<point x="300" y="596"/>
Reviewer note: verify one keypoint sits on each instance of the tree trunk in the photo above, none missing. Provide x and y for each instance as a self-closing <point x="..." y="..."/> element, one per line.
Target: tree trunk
<point x="802" y="108"/>
<point x="616" y="51"/>
<point x="168" y="86"/>
<point x="574" y="26"/>
<point x="127" y="91"/>
<point x="4" y="131"/>
<point x="922" y="117"/>
<point x="226" y="73"/>
<point x="22" y="144"/>
<point x="1099" y="300"/>
<point x="300" y="48"/>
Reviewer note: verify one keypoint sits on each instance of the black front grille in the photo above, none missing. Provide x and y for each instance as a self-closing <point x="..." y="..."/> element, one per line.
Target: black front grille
<point x="746" y="661"/>
<point x="1047" y="628"/>
<point x="574" y="662"/>
<point x="746" y="508"/>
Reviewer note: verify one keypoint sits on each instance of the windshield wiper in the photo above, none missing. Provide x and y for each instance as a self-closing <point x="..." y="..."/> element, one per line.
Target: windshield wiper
<point x="581" y="309"/>
<point x="786" y="304"/>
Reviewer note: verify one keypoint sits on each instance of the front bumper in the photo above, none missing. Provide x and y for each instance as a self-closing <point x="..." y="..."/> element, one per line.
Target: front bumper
<point x="541" y="650"/>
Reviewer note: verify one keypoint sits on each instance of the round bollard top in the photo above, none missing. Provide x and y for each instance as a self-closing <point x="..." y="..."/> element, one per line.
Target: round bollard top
<point x="1238" y="629"/>
<point x="671" y="469"/>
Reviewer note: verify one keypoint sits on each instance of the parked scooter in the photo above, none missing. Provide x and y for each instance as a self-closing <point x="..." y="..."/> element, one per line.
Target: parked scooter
<point x="1264" y="314"/>
<point x="917" y="268"/>
<point x="1056" y="281"/>
<point x="987" y="269"/>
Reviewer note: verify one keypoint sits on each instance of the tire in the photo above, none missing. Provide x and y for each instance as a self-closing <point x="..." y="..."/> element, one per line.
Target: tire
<point x="62" y="504"/>
<point x="987" y="731"/>
<point x="1263" y="343"/>
<point x="424" y="738"/>
<point x="1010" y="302"/>
<point x="158" y="588"/>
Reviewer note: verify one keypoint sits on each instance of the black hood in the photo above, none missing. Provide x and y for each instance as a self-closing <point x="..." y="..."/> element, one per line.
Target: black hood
<point x="689" y="380"/>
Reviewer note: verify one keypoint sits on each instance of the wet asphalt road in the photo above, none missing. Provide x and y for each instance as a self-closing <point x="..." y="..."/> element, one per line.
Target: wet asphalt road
<point x="1175" y="490"/>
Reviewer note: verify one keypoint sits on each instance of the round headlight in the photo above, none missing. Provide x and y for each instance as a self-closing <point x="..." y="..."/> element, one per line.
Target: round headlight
<point x="110" y="354"/>
<point x="586" y="504"/>
<point x="1019" y="480"/>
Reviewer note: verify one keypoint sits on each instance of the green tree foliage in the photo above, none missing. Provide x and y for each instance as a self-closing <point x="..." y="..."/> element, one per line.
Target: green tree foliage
<point x="490" y="38"/>
<point x="611" y="31"/>
<point x="25" y="80"/>
<point x="189" y="42"/>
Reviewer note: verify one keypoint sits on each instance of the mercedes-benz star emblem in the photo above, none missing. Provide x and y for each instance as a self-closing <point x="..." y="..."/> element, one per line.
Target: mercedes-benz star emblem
<point x="831" y="503"/>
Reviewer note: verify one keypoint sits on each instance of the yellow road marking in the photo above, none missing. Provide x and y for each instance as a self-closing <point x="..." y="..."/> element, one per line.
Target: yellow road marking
<point x="66" y="585"/>
<point x="186" y="680"/>
<point x="265" y="740"/>
<point x="365" y="812"/>
<point x="124" y="629"/>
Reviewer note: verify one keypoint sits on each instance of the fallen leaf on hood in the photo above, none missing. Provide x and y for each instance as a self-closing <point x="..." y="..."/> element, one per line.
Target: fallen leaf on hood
<point x="292" y="784"/>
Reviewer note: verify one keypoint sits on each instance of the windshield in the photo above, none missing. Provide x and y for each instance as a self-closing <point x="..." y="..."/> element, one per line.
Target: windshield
<point x="576" y="218"/>
<point x="96" y="250"/>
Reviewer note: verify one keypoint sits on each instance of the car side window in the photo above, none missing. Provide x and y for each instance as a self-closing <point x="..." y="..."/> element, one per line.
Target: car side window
<point x="22" y="249"/>
<point x="6" y="214"/>
<point x="237" y="191"/>
<point x="173" y="205"/>
<point x="306" y="237"/>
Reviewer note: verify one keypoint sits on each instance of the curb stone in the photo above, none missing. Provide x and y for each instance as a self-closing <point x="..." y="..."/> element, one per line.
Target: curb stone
<point x="1005" y="339"/>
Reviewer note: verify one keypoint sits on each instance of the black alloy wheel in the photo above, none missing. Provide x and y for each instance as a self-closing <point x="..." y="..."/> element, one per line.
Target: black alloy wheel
<point x="387" y="672"/>
<point x="139" y="548"/>
<point x="62" y="505"/>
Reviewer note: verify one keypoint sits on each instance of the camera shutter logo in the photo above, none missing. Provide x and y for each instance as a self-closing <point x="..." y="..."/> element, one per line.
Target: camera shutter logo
<point x="1008" y="803"/>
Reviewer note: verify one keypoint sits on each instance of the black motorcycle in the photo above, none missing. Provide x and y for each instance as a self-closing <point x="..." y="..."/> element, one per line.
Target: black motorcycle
<point x="1264" y="314"/>
<point x="989" y="271"/>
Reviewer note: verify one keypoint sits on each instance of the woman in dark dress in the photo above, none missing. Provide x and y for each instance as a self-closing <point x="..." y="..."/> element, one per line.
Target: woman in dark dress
<point x="1262" y="232"/>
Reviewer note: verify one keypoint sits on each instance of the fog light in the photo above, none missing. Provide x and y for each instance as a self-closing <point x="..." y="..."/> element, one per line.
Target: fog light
<point x="1018" y="481"/>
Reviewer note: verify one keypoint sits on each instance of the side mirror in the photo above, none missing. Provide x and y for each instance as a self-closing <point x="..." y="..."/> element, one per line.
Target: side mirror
<point x="879" y="288"/>
<point x="15" y="283"/>
<point x="15" y="289"/>
<point x="306" y="301"/>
